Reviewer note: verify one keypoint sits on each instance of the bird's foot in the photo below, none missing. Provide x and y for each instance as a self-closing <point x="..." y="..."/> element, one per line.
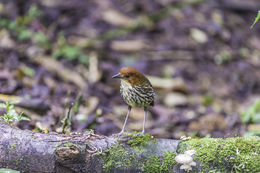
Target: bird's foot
<point x="139" y="133"/>
<point x="120" y="133"/>
<point x="117" y="135"/>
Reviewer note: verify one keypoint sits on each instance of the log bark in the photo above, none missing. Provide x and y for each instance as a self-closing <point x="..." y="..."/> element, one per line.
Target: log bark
<point x="28" y="151"/>
<point x="36" y="152"/>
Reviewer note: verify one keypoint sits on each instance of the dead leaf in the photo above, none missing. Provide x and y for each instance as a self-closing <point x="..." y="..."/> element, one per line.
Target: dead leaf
<point x="94" y="73"/>
<point x="168" y="83"/>
<point x="5" y="40"/>
<point x="254" y="127"/>
<point x="114" y="17"/>
<point x="57" y="68"/>
<point x="175" y="99"/>
<point x="208" y="123"/>
<point x="198" y="35"/>
<point x="10" y="98"/>
<point x="129" y="45"/>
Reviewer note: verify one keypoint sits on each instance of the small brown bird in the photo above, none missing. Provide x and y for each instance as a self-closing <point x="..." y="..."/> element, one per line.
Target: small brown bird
<point x="136" y="91"/>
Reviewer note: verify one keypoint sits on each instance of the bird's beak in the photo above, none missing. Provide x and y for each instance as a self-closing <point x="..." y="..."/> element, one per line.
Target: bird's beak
<point x="117" y="76"/>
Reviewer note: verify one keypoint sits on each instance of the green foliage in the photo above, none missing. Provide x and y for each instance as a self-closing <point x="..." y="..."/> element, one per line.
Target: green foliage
<point x="66" y="122"/>
<point x="223" y="57"/>
<point x="207" y="100"/>
<point x="25" y="34"/>
<point x="34" y="12"/>
<point x="41" y="39"/>
<point x="256" y="20"/>
<point x="28" y="71"/>
<point x="22" y="22"/>
<point x="69" y="52"/>
<point x="77" y="104"/>
<point x="21" y="28"/>
<point x="4" y="22"/>
<point x="251" y="133"/>
<point x="11" y="115"/>
<point x="252" y="114"/>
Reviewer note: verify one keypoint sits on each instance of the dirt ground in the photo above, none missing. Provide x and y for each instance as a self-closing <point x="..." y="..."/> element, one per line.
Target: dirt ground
<point x="200" y="55"/>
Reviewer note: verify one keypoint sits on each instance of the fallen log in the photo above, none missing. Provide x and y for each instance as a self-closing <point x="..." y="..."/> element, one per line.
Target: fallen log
<point x="28" y="151"/>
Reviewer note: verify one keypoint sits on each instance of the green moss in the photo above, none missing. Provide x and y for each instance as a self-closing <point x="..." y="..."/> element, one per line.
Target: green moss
<point x="156" y="164"/>
<point x="152" y="165"/>
<point x="168" y="161"/>
<point x="120" y="156"/>
<point x="57" y="145"/>
<point x="19" y="160"/>
<point x="231" y="154"/>
<point x="12" y="146"/>
<point x="116" y="157"/>
<point x="212" y="155"/>
<point x="68" y="144"/>
<point x="138" y="139"/>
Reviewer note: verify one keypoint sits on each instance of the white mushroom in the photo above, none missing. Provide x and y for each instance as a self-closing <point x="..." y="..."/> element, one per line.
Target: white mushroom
<point x="190" y="152"/>
<point x="186" y="167"/>
<point x="183" y="138"/>
<point x="193" y="163"/>
<point x="186" y="160"/>
<point x="183" y="158"/>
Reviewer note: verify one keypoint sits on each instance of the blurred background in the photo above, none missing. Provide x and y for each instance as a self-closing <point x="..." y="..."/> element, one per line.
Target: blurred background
<point x="200" y="55"/>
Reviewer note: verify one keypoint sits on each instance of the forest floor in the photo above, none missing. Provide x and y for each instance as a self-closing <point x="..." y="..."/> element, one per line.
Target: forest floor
<point x="200" y="55"/>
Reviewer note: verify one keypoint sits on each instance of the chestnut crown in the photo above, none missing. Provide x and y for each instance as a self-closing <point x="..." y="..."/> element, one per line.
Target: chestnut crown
<point x="132" y="76"/>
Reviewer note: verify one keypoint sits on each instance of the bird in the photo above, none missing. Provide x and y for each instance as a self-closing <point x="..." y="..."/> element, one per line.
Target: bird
<point x="136" y="90"/>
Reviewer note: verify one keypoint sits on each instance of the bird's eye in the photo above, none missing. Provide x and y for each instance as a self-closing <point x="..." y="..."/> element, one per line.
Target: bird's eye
<point x="127" y="76"/>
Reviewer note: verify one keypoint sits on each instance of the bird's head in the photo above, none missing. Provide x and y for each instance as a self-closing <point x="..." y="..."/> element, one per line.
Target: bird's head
<point x="131" y="76"/>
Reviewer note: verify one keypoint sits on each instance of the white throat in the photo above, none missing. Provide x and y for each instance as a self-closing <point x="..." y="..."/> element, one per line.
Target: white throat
<point x="125" y="84"/>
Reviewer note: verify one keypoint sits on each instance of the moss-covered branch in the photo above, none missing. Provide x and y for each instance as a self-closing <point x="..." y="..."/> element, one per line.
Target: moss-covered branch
<point x="35" y="152"/>
<point x="240" y="154"/>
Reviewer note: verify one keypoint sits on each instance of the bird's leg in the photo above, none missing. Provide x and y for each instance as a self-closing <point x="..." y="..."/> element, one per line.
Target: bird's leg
<point x="145" y="112"/>
<point x="123" y="129"/>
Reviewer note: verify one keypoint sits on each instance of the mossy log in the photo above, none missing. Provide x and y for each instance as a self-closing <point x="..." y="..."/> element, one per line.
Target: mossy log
<point x="28" y="151"/>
